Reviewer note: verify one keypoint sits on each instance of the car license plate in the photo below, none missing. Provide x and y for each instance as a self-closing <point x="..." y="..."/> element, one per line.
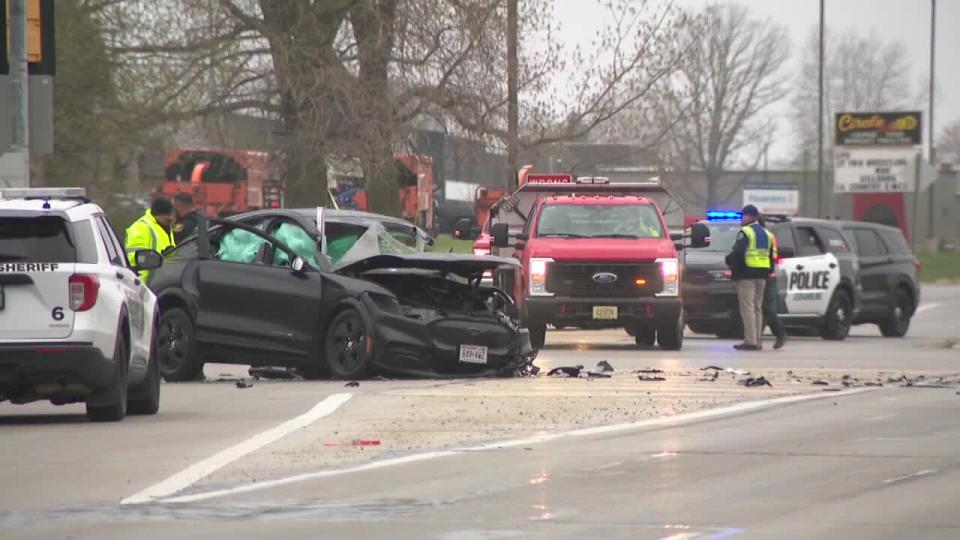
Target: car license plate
<point x="473" y="354"/>
<point x="605" y="313"/>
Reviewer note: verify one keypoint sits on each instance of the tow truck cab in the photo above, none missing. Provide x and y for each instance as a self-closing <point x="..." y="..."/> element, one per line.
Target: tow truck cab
<point x="593" y="255"/>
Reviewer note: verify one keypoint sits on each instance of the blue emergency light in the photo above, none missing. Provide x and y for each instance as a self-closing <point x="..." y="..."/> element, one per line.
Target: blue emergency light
<point x="724" y="216"/>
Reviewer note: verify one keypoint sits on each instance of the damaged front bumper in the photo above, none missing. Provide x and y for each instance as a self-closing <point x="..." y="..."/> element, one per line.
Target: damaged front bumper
<point x="422" y="344"/>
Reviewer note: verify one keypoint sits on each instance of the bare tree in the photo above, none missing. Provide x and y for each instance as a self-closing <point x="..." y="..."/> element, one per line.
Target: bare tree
<point x="715" y="101"/>
<point x="861" y="73"/>
<point x="354" y="77"/>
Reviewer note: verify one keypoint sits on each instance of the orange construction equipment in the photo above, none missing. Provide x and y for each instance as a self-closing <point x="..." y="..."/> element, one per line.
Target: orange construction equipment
<point x="222" y="181"/>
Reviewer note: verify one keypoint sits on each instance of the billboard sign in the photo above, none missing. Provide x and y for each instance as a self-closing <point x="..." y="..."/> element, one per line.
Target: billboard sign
<point x="878" y="129"/>
<point x="773" y="198"/>
<point x="874" y="170"/>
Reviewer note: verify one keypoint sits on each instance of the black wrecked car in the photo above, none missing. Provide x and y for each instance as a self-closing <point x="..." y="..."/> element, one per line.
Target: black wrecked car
<point x="236" y="294"/>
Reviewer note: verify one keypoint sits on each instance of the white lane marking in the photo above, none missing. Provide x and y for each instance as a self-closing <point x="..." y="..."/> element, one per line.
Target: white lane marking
<point x="661" y="421"/>
<point x="199" y="470"/>
<point x="882" y="417"/>
<point x="925" y="307"/>
<point x="918" y="474"/>
<point x="683" y="536"/>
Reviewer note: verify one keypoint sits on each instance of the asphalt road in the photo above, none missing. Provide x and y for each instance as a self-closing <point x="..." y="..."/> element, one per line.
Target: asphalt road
<point x="882" y="463"/>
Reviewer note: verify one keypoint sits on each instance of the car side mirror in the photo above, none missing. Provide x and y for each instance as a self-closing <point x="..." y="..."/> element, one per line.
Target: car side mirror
<point x="676" y="236"/>
<point x="500" y="235"/>
<point x="298" y="265"/>
<point x="147" y="259"/>
<point x="699" y="235"/>
<point x="786" y="252"/>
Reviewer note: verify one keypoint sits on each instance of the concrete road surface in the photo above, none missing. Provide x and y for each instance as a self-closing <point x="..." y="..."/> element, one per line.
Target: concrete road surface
<point x="881" y="463"/>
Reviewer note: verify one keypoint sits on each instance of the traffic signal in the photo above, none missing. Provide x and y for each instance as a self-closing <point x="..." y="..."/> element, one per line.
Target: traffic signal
<point x="41" y="45"/>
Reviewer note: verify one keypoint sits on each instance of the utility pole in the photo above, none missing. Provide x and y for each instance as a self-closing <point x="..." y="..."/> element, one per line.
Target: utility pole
<point x="512" y="105"/>
<point x="17" y="160"/>
<point x="820" y="120"/>
<point x="931" y="142"/>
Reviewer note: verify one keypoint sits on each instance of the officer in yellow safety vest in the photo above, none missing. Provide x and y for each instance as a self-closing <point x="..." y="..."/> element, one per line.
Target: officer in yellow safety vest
<point x="751" y="262"/>
<point x="151" y="231"/>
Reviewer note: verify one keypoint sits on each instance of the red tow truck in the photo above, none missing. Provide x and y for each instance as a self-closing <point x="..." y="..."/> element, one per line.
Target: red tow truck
<point x="593" y="254"/>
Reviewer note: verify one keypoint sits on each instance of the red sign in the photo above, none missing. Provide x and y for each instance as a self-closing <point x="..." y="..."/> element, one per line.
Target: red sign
<point x="541" y="178"/>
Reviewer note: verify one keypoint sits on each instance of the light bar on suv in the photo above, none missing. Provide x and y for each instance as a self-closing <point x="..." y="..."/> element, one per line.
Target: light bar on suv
<point x="44" y="193"/>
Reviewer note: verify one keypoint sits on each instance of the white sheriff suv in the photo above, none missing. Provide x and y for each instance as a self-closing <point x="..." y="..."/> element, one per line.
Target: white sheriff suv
<point x="76" y="323"/>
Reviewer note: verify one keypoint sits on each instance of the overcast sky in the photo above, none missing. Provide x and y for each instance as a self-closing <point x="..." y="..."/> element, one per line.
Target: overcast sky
<point x="904" y="20"/>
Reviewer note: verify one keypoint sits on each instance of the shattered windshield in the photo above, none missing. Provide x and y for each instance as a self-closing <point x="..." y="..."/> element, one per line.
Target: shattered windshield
<point x="599" y="221"/>
<point x="347" y="248"/>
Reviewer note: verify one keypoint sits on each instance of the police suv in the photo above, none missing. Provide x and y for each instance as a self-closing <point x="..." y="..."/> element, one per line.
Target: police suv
<point x="817" y="277"/>
<point x="76" y="323"/>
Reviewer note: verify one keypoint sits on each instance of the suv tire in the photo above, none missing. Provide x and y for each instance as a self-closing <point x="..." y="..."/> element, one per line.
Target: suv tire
<point x="898" y="322"/>
<point x="839" y="316"/>
<point x="145" y="397"/>
<point x="538" y="335"/>
<point x="110" y="404"/>
<point x="670" y="336"/>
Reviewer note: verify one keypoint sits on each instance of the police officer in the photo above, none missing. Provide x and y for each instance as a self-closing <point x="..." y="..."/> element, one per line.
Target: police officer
<point x="771" y="297"/>
<point x="187" y="217"/>
<point x="151" y="231"/>
<point x="751" y="262"/>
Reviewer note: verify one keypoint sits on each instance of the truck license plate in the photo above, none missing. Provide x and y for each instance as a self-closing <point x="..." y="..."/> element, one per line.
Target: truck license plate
<point x="605" y="312"/>
<point x="473" y="354"/>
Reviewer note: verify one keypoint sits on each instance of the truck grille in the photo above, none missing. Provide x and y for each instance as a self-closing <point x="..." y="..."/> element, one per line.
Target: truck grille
<point x="576" y="279"/>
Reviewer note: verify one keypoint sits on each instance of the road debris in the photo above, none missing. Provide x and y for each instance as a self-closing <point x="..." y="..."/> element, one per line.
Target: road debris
<point x="604" y="366"/>
<point x="708" y="368"/>
<point x="756" y="381"/>
<point x="352" y="384"/>
<point x="244" y="384"/>
<point x="820" y="382"/>
<point x="598" y="375"/>
<point x="648" y="371"/>
<point x="737" y="371"/>
<point x="708" y="378"/>
<point x="648" y="378"/>
<point x="565" y="371"/>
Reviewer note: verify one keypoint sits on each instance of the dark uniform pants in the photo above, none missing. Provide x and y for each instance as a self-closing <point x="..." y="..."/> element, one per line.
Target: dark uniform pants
<point x="770" y="299"/>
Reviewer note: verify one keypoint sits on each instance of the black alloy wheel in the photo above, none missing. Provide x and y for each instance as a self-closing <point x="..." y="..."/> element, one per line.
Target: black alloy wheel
<point x="347" y="346"/>
<point x="839" y="316"/>
<point x="176" y="347"/>
<point x="898" y="322"/>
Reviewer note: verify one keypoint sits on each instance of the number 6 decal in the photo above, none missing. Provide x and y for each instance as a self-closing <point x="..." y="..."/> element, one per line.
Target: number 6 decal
<point x="57" y="314"/>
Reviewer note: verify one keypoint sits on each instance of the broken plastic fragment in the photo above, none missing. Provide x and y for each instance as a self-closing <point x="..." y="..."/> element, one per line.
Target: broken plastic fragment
<point x="604" y="366"/>
<point x="244" y="384"/>
<point x="352" y="384"/>
<point x="567" y="371"/>
<point x="645" y="378"/>
<point x="756" y="381"/>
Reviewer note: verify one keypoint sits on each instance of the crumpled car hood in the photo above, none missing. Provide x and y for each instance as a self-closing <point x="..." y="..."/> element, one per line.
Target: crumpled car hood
<point x="458" y="264"/>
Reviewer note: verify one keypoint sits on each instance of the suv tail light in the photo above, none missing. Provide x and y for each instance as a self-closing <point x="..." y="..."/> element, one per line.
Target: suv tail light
<point x="84" y="290"/>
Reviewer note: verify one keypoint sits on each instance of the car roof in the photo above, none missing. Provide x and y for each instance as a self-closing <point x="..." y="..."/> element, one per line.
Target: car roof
<point x="70" y="209"/>
<point x="869" y="225"/>
<point x="329" y="213"/>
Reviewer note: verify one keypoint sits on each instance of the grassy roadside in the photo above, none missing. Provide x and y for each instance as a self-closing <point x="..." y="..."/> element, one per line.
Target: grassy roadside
<point x="937" y="266"/>
<point x="444" y="243"/>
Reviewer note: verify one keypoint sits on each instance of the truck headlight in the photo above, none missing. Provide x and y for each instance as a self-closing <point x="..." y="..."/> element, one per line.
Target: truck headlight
<point x="538" y="277"/>
<point x="670" y="271"/>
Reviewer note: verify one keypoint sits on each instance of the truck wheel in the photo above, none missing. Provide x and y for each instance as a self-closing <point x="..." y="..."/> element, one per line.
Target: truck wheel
<point x="898" y="322"/>
<point x="177" y="347"/>
<point x="644" y="336"/>
<point x="836" y="323"/>
<point x="670" y="336"/>
<point x="145" y="398"/>
<point x="347" y="346"/>
<point x="538" y="335"/>
<point x="110" y="403"/>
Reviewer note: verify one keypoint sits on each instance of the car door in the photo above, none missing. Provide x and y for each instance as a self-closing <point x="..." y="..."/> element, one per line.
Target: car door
<point x="251" y="311"/>
<point x="132" y="290"/>
<point x="806" y="279"/>
<point x="873" y="276"/>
